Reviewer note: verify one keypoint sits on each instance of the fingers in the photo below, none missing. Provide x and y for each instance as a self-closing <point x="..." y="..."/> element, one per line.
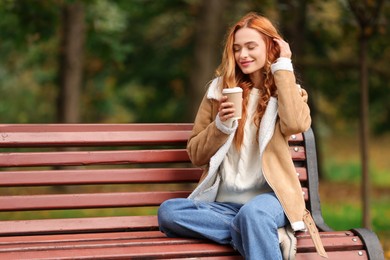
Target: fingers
<point x="285" y="50"/>
<point x="226" y="110"/>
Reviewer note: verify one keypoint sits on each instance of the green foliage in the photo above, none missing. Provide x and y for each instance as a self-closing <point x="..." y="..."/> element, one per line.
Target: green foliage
<point x="344" y="216"/>
<point x="350" y="171"/>
<point x="139" y="56"/>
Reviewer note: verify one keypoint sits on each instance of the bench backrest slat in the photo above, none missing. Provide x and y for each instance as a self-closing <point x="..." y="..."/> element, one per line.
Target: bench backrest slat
<point x="92" y="158"/>
<point x="85" y="201"/>
<point x="91" y="201"/>
<point x="112" y="176"/>
<point x="106" y="157"/>
<point x="92" y="135"/>
<point x="92" y="138"/>
<point x="99" y="176"/>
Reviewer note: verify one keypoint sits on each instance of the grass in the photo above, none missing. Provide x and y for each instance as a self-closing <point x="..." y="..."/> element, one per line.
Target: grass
<point x="350" y="171"/>
<point x="340" y="189"/>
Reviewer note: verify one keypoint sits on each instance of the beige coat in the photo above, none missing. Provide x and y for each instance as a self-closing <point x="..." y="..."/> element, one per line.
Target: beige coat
<point x="293" y="116"/>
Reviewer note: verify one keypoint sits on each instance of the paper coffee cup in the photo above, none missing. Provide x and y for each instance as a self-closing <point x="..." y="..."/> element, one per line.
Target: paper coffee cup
<point x="235" y="96"/>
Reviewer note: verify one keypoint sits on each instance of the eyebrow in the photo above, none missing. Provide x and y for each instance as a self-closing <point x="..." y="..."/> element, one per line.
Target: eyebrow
<point x="247" y="43"/>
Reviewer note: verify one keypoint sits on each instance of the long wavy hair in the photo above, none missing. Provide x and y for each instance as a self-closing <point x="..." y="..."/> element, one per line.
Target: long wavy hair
<point x="232" y="75"/>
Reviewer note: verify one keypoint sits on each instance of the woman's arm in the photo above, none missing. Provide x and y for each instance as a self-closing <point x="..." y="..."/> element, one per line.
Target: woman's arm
<point x="293" y="110"/>
<point x="206" y="138"/>
<point x="294" y="113"/>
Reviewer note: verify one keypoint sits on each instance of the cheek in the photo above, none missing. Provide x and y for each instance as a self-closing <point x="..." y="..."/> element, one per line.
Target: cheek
<point x="236" y="56"/>
<point x="261" y="57"/>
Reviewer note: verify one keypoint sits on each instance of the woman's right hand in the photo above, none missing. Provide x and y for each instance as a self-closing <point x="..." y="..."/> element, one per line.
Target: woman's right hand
<point x="285" y="50"/>
<point x="226" y="109"/>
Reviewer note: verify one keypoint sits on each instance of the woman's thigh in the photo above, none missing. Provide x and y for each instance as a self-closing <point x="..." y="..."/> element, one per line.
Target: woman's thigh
<point x="191" y="218"/>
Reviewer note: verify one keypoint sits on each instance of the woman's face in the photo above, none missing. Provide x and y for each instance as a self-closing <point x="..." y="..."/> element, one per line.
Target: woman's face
<point x="249" y="50"/>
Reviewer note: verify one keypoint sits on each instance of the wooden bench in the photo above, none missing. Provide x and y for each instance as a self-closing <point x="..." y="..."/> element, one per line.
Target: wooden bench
<point x="83" y="191"/>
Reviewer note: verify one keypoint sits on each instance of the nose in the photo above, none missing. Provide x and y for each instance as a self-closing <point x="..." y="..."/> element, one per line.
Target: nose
<point x="244" y="53"/>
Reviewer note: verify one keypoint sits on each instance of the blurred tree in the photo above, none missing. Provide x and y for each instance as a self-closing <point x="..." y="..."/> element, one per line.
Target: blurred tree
<point x="367" y="14"/>
<point x="141" y="58"/>
<point x="209" y="31"/>
<point x="71" y="55"/>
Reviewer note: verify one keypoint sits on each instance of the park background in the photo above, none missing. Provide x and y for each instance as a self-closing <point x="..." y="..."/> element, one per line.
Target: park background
<point x="125" y="61"/>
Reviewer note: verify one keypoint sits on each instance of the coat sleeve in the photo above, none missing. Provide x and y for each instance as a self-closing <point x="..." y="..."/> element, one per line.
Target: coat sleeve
<point x="293" y="110"/>
<point x="206" y="138"/>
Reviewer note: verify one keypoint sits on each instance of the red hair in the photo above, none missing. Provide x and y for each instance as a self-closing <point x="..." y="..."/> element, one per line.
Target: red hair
<point x="232" y="75"/>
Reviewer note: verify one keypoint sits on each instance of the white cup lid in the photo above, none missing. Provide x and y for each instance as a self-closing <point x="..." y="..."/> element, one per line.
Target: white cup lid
<point x="231" y="90"/>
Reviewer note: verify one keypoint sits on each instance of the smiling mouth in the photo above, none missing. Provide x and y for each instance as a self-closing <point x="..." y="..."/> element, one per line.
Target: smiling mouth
<point x="245" y="63"/>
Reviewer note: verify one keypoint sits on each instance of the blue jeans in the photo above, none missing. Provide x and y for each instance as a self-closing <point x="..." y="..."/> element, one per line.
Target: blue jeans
<point x="250" y="228"/>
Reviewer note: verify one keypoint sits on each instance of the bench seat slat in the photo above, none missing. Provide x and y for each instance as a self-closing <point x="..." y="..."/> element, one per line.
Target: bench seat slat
<point x="151" y="241"/>
<point x="90" y="200"/>
<point x="81" y="237"/>
<point x="126" y="252"/>
<point x="305" y="246"/>
<point x="184" y="251"/>
<point x="333" y="241"/>
<point x="77" y="225"/>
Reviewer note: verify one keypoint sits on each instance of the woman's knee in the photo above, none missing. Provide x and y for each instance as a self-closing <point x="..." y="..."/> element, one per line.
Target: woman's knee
<point x="254" y="213"/>
<point x="168" y="212"/>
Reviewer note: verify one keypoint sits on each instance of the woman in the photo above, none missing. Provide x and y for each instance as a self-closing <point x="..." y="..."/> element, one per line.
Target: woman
<point x="249" y="191"/>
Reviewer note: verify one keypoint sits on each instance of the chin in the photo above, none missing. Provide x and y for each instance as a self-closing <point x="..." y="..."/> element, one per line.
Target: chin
<point x="246" y="71"/>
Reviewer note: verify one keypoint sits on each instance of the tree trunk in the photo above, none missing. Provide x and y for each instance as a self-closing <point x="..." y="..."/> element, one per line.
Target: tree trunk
<point x="71" y="62"/>
<point x="367" y="14"/>
<point x="208" y="48"/>
<point x="364" y="132"/>
<point x="293" y="20"/>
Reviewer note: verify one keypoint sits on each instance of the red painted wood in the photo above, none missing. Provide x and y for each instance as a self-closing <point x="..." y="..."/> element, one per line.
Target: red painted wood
<point x="81" y="237"/>
<point x="124" y="251"/>
<point x="5" y="128"/>
<point x="297" y="138"/>
<point x="92" y="157"/>
<point x="45" y="139"/>
<point x="104" y="157"/>
<point x="99" y="176"/>
<point x="85" y="201"/>
<point x="78" y="225"/>
<point x="301" y="173"/>
<point x="93" y="200"/>
<point x="333" y="241"/>
<point x="136" y="241"/>
<point x="297" y="153"/>
<point x="106" y="176"/>
<point x="331" y="244"/>
<point x="337" y="255"/>
<point x="161" y="146"/>
<point x="92" y="135"/>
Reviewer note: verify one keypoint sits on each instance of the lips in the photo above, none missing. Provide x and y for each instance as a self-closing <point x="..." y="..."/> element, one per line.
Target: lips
<point x="245" y="63"/>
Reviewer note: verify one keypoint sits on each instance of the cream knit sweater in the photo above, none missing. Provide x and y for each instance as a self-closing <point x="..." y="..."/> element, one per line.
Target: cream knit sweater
<point x="241" y="171"/>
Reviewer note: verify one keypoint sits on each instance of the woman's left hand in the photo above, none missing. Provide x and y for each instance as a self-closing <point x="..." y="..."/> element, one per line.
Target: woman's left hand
<point x="285" y="50"/>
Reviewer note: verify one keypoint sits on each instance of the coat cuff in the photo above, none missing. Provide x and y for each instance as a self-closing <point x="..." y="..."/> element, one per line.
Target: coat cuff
<point x="282" y="63"/>
<point x="224" y="128"/>
<point x="299" y="225"/>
